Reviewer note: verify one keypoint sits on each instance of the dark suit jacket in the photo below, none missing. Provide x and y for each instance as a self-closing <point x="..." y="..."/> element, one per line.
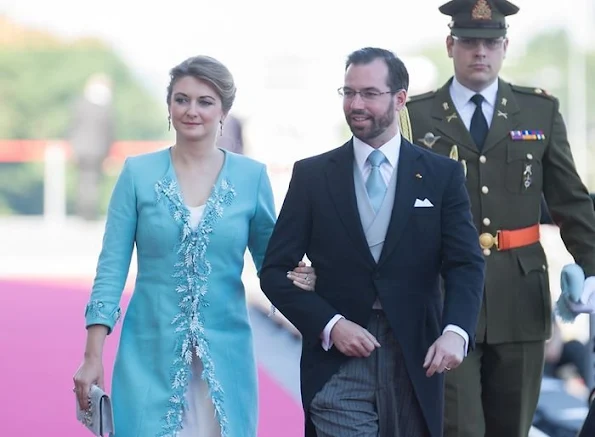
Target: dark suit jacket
<point x="588" y="428"/>
<point x="320" y="218"/>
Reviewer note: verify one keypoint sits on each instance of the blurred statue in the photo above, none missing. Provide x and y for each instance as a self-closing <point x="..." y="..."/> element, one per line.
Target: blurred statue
<point x="231" y="136"/>
<point x="91" y="137"/>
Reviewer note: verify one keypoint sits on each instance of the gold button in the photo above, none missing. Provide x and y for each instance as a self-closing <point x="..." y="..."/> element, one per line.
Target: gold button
<point x="486" y="221"/>
<point x="485" y="190"/>
<point x="487" y="252"/>
<point x="529" y="156"/>
<point x="482" y="159"/>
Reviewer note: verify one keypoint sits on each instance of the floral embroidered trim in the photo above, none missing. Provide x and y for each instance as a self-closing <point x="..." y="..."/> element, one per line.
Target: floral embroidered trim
<point x="192" y="272"/>
<point x="96" y="309"/>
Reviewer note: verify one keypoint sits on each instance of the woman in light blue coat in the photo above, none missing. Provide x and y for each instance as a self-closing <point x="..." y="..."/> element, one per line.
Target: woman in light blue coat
<point x="185" y="365"/>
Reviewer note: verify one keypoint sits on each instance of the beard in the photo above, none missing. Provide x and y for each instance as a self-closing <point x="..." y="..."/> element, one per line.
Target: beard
<point x="375" y="126"/>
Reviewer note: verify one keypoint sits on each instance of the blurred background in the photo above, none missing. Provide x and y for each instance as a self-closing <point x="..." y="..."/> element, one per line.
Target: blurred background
<point x="82" y="86"/>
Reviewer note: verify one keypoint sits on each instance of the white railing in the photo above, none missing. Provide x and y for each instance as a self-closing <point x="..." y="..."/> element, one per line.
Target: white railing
<point x="54" y="184"/>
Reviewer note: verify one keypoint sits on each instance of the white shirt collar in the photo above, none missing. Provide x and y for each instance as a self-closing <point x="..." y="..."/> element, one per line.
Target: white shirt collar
<point x="461" y="94"/>
<point x="390" y="149"/>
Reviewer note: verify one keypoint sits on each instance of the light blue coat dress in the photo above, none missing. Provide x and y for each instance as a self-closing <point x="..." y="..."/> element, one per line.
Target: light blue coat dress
<point x="188" y="296"/>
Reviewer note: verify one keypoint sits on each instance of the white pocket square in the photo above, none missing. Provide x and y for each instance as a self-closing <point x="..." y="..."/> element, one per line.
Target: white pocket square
<point x="423" y="203"/>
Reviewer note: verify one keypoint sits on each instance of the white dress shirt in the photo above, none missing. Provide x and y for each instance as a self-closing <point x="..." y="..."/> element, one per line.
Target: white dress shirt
<point x="461" y="97"/>
<point x="391" y="149"/>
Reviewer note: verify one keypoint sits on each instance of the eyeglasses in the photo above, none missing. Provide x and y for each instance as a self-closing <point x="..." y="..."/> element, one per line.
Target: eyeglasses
<point x="473" y="43"/>
<point x="367" y="95"/>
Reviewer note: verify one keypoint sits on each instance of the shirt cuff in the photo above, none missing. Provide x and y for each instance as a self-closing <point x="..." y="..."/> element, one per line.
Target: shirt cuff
<point x="458" y="330"/>
<point x="327" y="343"/>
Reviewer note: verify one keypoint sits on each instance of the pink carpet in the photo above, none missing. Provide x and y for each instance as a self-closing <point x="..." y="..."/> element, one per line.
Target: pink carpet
<point x="41" y="344"/>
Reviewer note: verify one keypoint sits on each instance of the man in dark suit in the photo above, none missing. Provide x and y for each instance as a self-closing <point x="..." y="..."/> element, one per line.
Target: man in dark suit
<point x="512" y="142"/>
<point x="91" y="136"/>
<point x="381" y="220"/>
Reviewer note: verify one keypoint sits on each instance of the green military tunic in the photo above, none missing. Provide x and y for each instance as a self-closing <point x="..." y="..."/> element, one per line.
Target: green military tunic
<point x="505" y="183"/>
<point x="495" y="390"/>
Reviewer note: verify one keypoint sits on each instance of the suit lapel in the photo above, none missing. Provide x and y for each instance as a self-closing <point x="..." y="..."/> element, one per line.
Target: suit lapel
<point x="339" y="176"/>
<point x="505" y="116"/>
<point x="449" y="121"/>
<point x="404" y="197"/>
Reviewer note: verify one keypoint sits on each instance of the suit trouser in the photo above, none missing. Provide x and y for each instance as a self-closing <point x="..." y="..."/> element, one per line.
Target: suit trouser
<point x="494" y="392"/>
<point x="588" y="428"/>
<point x="370" y="397"/>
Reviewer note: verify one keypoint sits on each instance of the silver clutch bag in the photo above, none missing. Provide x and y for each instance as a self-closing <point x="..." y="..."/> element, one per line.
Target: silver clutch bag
<point x="99" y="417"/>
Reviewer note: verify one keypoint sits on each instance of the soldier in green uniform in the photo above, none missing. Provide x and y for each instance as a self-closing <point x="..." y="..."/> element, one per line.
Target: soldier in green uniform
<point x="513" y="145"/>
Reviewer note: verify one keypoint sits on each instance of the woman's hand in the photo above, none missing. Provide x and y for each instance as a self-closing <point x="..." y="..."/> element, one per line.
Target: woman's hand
<point x="303" y="276"/>
<point x="90" y="372"/>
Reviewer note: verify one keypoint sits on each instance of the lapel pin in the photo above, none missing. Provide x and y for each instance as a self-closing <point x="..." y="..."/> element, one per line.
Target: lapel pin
<point x="418" y="176"/>
<point x="504" y="101"/>
<point x="445" y="106"/>
<point x="451" y="117"/>
<point x="502" y="114"/>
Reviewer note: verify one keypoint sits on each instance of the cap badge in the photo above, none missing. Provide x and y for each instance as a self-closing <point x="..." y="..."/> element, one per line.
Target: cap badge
<point x="481" y="11"/>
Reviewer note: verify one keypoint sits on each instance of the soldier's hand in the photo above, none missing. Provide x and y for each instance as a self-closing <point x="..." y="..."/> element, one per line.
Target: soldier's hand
<point x="445" y="354"/>
<point x="586" y="304"/>
<point x="353" y="340"/>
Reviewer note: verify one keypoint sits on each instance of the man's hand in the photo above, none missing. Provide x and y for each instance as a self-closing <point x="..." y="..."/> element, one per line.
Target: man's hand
<point x="353" y="340"/>
<point x="446" y="353"/>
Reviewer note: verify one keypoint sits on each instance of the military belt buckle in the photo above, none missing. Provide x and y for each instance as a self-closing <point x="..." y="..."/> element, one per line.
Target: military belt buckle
<point x="487" y="240"/>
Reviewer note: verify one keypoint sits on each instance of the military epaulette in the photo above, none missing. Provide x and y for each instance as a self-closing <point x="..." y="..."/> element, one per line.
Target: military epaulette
<point x="424" y="96"/>
<point x="532" y="91"/>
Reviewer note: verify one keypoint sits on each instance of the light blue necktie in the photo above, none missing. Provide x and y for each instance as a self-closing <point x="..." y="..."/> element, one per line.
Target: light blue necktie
<point x="375" y="184"/>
